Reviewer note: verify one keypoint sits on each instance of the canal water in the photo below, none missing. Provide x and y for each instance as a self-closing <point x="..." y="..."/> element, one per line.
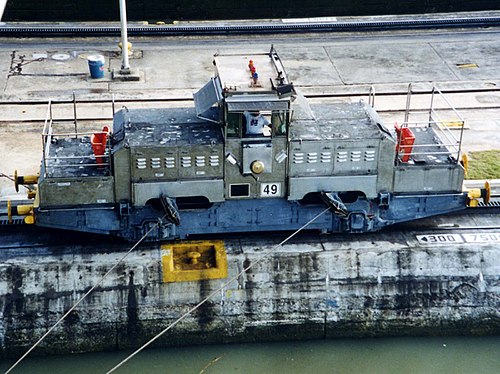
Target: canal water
<point x="454" y="355"/>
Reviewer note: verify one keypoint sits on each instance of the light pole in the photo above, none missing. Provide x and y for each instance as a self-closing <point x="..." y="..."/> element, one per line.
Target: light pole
<point x="125" y="73"/>
<point x="3" y="4"/>
<point x="125" y="69"/>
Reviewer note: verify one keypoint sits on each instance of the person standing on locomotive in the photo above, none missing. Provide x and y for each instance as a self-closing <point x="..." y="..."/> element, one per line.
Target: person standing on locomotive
<point x="256" y="123"/>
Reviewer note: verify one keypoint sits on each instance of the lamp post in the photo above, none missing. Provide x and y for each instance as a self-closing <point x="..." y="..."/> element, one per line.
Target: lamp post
<point x="125" y="69"/>
<point x="125" y="73"/>
<point x="3" y="4"/>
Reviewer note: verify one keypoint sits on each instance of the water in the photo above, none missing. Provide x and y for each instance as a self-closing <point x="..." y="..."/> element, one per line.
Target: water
<point x="388" y="355"/>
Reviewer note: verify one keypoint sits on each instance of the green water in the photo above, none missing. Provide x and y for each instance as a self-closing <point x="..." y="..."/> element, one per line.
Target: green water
<point x="389" y="355"/>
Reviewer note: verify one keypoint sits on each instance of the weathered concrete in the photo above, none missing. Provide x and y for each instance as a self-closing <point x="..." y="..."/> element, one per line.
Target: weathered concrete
<point x="314" y="287"/>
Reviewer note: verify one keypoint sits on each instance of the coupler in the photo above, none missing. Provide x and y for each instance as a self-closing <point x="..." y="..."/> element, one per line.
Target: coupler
<point x="26" y="210"/>
<point x="474" y="194"/>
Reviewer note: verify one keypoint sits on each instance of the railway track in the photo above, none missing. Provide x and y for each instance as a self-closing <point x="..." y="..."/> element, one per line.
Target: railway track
<point x="260" y="27"/>
<point x="101" y="109"/>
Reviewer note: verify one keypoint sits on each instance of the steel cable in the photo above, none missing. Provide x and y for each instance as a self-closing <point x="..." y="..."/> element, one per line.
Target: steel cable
<point x="83" y="297"/>
<point x="224" y="285"/>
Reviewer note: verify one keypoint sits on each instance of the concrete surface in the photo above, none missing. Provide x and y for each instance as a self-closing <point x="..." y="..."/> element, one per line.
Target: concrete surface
<point x="388" y="61"/>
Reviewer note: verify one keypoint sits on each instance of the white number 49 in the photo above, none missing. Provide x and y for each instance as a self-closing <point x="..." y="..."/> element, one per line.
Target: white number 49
<point x="270" y="189"/>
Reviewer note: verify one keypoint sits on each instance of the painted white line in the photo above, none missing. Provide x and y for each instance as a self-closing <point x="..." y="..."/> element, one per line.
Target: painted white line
<point x="440" y="239"/>
<point x="436" y="239"/>
<point x="484" y="237"/>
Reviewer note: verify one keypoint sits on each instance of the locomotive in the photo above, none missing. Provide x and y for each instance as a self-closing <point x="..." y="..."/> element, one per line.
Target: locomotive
<point x="252" y="155"/>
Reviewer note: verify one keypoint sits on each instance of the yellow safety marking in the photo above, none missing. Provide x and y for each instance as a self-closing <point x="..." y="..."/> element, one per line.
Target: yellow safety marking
<point x="193" y="261"/>
<point x="467" y="66"/>
<point x="453" y="124"/>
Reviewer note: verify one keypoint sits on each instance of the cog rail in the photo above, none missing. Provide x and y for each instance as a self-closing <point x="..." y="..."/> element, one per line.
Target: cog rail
<point x="253" y="28"/>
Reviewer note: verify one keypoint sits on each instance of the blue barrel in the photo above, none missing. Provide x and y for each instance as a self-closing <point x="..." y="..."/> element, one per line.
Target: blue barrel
<point x="96" y="66"/>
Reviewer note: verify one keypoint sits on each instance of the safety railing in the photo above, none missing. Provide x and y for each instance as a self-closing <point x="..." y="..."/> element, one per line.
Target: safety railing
<point x="74" y="152"/>
<point x="432" y="139"/>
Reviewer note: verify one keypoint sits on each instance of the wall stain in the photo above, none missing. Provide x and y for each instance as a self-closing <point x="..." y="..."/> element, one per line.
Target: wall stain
<point x="15" y="300"/>
<point x="205" y="312"/>
<point x="133" y="327"/>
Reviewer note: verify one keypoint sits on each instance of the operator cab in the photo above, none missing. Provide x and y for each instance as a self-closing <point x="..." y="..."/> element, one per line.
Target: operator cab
<point x="252" y="95"/>
<point x="250" y="98"/>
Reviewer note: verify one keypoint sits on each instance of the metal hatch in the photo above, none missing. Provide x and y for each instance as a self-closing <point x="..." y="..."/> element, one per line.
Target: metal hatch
<point x="250" y="103"/>
<point x="206" y="97"/>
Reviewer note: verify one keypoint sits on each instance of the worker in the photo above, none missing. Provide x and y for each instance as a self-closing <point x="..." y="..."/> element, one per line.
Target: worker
<point x="256" y="124"/>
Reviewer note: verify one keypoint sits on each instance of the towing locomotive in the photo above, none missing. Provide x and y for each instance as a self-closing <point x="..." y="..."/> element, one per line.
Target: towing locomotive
<point x="252" y="155"/>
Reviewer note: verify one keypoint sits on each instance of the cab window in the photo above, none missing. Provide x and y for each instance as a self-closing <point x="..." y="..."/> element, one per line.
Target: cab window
<point x="278" y="121"/>
<point x="234" y="123"/>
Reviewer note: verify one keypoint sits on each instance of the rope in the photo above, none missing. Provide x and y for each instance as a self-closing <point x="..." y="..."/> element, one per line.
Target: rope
<point x="215" y="292"/>
<point x="6" y="176"/>
<point x="83" y="297"/>
<point x="12" y="179"/>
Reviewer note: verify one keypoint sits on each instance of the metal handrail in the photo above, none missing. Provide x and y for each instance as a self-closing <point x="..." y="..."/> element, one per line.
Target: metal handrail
<point x="45" y="144"/>
<point x="371" y="97"/>
<point x="435" y="121"/>
<point x="47" y="136"/>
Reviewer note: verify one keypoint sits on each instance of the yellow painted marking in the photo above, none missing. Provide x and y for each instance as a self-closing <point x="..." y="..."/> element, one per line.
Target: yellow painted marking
<point x="467" y="66"/>
<point x="453" y="124"/>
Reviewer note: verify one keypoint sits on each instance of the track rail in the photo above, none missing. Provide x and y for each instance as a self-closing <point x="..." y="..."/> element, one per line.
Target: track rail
<point x="340" y="92"/>
<point x="37" y="112"/>
<point x="254" y="28"/>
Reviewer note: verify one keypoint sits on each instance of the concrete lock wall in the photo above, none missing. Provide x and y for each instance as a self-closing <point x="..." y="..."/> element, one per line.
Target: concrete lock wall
<point x="154" y="10"/>
<point x="349" y="286"/>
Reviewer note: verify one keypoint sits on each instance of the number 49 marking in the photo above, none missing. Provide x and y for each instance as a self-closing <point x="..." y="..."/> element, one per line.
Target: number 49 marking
<point x="270" y="189"/>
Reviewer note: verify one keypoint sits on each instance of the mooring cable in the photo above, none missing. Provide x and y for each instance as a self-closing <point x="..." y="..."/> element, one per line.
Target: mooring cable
<point x="224" y="285"/>
<point x="85" y="295"/>
<point x="2" y="175"/>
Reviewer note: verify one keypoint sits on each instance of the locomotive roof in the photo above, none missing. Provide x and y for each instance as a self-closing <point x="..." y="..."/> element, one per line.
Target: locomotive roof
<point x="339" y="120"/>
<point x="165" y="126"/>
<point x="235" y="75"/>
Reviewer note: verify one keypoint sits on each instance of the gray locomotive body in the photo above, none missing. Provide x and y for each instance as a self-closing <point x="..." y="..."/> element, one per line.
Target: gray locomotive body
<point x="202" y="170"/>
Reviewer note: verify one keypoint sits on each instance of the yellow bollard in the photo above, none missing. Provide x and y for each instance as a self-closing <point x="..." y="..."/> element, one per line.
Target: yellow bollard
<point x="26" y="179"/>
<point x="129" y="47"/>
<point x="21" y="210"/>
<point x="477" y="193"/>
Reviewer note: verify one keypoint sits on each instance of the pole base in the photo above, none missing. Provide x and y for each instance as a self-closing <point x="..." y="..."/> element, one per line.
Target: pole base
<point x="128" y="75"/>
